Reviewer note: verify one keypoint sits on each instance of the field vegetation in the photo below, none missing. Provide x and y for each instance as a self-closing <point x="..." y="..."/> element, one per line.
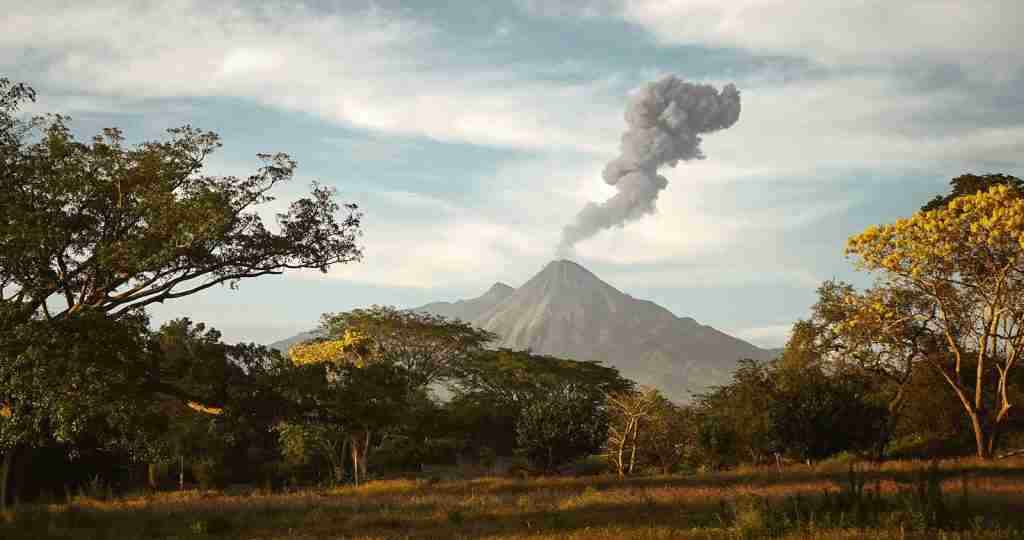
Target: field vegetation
<point x="836" y="499"/>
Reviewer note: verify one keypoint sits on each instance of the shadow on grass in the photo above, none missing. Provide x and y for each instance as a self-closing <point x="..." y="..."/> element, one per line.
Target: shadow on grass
<point x="745" y="504"/>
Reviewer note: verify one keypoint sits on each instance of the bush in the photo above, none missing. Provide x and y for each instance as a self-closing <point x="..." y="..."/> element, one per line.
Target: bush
<point x="838" y="462"/>
<point x="96" y="489"/>
<point x="559" y="429"/>
<point x="162" y="475"/>
<point x="214" y="525"/>
<point x="403" y="454"/>
<point x="588" y="466"/>
<point x="210" y="474"/>
<point x="929" y="445"/>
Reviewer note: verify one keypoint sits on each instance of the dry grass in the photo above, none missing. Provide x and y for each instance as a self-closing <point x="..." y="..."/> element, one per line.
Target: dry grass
<point x="980" y="500"/>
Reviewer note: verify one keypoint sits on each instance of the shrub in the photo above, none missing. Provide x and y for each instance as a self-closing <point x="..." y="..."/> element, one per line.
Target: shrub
<point x="588" y="466"/>
<point x="210" y="474"/>
<point x="560" y="428"/>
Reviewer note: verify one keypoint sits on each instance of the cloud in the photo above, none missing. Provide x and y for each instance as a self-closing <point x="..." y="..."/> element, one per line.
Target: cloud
<point x="370" y="68"/>
<point x="829" y="31"/>
<point x="407" y="200"/>
<point x="469" y="253"/>
<point x="711" y="212"/>
<point x="771" y="336"/>
<point x="395" y="73"/>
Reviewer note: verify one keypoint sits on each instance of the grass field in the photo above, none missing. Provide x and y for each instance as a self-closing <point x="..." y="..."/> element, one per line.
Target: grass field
<point x="956" y="499"/>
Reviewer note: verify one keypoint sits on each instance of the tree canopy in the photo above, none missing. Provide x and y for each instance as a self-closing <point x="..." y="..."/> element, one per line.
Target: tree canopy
<point x="114" y="228"/>
<point x="963" y="263"/>
<point x="429" y="348"/>
<point x="92" y="232"/>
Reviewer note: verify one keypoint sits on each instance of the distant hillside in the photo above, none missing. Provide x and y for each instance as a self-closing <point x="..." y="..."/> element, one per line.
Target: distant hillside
<point x="287" y="343"/>
<point x="470" y="310"/>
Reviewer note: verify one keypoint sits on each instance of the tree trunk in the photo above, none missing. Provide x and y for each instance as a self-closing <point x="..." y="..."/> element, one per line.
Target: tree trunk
<point x="632" y="453"/>
<point x="5" y="477"/>
<point x="354" y="447"/>
<point x="152" y="476"/>
<point x="993" y="437"/>
<point x="341" y="457"/>
<point x="360" y="455"/>
<point x="979" y="435"/>
<point x="364" y="462"/>
<point x="619" y="464"/>
<point x="12" y="474"/>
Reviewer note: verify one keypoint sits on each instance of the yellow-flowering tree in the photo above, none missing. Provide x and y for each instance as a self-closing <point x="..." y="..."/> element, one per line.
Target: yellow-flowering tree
<point x="427" y="348"/>
<point x="352" y="347"/>
<point x="964" y="262"/>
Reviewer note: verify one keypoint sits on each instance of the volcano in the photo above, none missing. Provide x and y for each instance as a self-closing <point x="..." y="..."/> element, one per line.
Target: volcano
<point x="567" y="311"/>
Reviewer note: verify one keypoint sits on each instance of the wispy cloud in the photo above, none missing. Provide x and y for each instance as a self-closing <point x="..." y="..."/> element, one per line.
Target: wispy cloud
<point x="369" y="68"/>
<point x="772" y="336"/>
<point x="829" y="31"/>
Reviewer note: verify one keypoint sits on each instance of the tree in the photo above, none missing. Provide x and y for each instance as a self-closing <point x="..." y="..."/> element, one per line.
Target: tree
<point x="93" y="232"/>
<point x="627" y="410"/>
<point x="670" y="435"/>
<point x="492" y="387"/>
<point x="964" y="262"/>
<point x="883" y="364"/>
<point x="970" y="184"/>
<point x="734" y="422"/>
<point x="429" y="348"/>
<point x="418" y="349"/>
<point x="301" y="442"/>
<point x="809" y="401"/>
<point x="113" y="229"/>
<point x="359" y="391"/>
<point x="510" y="378"/>
<point x="646" y="428"/>
<point x="250" y="385"/>
<point x="559" y="428"/>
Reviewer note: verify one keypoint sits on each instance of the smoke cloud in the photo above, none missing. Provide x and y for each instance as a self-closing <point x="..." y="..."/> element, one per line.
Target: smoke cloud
<point x="665" y="119"/>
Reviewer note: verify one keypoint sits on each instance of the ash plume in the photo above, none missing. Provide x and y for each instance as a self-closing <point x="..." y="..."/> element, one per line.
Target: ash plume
<point x="665" y="119"/>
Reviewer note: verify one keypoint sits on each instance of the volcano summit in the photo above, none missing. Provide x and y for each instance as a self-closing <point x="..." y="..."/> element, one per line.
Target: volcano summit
<point x="567" y="311"/>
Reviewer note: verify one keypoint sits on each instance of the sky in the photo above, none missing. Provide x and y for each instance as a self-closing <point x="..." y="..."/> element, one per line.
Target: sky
<point x="470" y="133"/>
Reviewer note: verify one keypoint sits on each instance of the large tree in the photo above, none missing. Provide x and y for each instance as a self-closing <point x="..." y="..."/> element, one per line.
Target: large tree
<point x="493" y="389"/>
<point x="107" y="227"/>
<point x="92" y="232"/>
<point x="429" y="348"/>
<point x="362" y="349"/>
<point x="963" y="260"/>
<point x="628" y="415"/>
<point x="884" y="363"/>
<point x="353" y="393"/>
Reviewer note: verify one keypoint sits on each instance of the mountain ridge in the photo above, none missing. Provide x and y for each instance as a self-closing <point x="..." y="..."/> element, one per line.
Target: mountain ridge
<point x="566" y="310"/>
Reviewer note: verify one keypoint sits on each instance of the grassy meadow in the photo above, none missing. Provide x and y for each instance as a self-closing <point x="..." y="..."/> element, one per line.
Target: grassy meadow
<point x="952" y="499"/>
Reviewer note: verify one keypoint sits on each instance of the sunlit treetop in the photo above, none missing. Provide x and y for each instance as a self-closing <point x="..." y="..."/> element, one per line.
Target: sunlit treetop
<point x="205" y="409"/>
<point x="353" y="347"/>
<point x="973" y="235"/>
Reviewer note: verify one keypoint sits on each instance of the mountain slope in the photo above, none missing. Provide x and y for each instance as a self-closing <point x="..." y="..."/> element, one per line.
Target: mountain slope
<point x="285" y="344"/>
<point x="466" y="310"/>
<point x="565" y="310"/>
<point x="470" y="310"/>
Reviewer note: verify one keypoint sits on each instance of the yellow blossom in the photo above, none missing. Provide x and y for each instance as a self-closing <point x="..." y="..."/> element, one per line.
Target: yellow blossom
<point x="206" y="409"/>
